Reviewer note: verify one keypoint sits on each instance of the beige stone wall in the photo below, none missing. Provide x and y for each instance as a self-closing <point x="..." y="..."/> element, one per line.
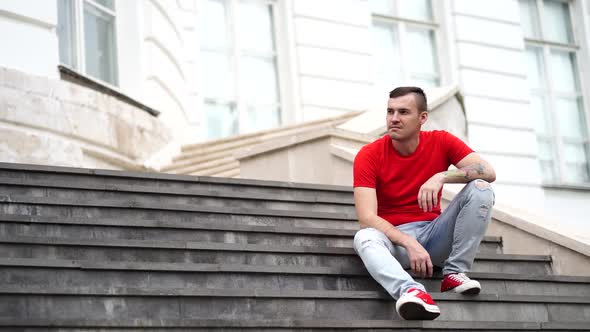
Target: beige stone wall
<point x="53" y="122"/>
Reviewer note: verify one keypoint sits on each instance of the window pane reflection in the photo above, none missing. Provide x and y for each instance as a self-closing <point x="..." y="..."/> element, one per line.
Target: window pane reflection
<point x="260" y="117"/>
<point x="535" y="67"/>
<point x="213" y="24"/>
<point x="416" y="9"/>
<point x="540" y="115"/>
<point x="217" y="75"/>
<point x="571" y="122"/>
<point x="529" y="18"/>
<point x="563" y="75"/>
<point x="256" y="27"/>
<point x="259" y="80"/>
<point x="99" y="40"/>
<point x="556" y="22"/>
<point x="422" y="51"/>
<point x="221" y="120"/>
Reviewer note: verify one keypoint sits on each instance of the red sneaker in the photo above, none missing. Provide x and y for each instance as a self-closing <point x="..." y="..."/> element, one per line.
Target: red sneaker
<point x="416" y="304"/>
<point x="460" y="283"/>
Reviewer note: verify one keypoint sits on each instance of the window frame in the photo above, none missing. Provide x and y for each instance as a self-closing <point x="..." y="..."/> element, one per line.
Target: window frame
<point x="551" y="95"/>
<point x="78" y="43"/>
<point x="237" y="52"/>
<point x="405" y="24"/>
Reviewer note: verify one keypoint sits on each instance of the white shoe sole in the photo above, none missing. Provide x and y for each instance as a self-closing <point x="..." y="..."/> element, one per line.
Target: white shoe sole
<point x="412" y="308"/>
<point x="469" y="288"/>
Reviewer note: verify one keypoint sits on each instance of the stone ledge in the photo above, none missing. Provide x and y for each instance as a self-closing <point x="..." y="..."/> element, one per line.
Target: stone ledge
<point x="170" y="177"/>
<point x="282" y="294"/>
<point x="122" y="188"/>
<point x="257" y="269"/>
<point x="438" y="325"/>
<point x="71" y="75"/>
<point x="107" y="203"/>
<point x="229" y="247"/>
<point x="237" y="227"/>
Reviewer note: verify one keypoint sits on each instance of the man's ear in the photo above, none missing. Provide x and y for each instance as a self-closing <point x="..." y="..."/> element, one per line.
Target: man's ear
<point x="423" y="117"/>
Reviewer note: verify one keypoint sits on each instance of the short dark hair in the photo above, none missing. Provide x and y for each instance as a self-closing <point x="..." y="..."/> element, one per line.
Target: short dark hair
<point x="419" y="95"/>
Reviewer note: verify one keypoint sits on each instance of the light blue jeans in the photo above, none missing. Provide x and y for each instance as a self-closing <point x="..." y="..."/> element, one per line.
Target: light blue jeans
<point x="452" y="240"/>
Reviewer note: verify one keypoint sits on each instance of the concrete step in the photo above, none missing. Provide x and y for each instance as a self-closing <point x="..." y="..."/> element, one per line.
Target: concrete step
<point x="213" y="171"/>
<point x="200" y="166"/>
<point x="67" y="192"/>
<point x="246" y="304"/>
<point x="186" y="213"/>
<point x="61" y="177"/>
<point x="163" y="230"/>
<point x="228" y="253"/>
<point x="78" y="274"/>
<point x="231" y="173"/>
<point x="275" y="325"/>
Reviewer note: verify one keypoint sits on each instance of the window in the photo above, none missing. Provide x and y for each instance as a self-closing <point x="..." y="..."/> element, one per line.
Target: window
<point x="87" y="43"/>
<point x="557" y="99"/>
<point x="404" y="39"/>
<point x="239" y="66"/>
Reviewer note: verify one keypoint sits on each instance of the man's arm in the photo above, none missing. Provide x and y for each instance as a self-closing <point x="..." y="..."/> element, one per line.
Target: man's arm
<point x="365" y="202"/>
<point x="469" y="168"/>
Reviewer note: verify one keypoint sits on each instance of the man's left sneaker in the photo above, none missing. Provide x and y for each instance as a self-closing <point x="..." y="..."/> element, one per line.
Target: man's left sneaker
<point x="460" y="283"/>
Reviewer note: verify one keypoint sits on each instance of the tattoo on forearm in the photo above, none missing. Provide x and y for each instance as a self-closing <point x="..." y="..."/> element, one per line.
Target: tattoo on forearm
<point x="467" y="172"/>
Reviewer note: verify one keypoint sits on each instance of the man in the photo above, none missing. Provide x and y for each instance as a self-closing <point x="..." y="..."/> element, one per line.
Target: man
<point x="398" y="182"/>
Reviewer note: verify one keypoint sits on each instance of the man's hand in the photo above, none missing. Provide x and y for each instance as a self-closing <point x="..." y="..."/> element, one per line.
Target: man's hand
<point x="419" y="258"/>
<point x="428" y="194"/>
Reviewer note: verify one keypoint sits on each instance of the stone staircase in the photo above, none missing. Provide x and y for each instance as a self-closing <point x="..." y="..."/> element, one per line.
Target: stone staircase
<point x="216" y="157"/>
<point x="93" y="250"/>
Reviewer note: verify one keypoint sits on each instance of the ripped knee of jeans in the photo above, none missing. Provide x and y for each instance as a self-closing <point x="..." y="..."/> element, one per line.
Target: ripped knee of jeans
<point x="482" y="184"/>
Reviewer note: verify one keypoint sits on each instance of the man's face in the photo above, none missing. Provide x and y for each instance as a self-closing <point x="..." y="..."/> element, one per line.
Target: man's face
<point x="403" y="118"/>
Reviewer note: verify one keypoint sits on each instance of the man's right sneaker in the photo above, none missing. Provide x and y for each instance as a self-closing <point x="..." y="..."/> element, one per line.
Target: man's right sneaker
<point x="416" y="304"/>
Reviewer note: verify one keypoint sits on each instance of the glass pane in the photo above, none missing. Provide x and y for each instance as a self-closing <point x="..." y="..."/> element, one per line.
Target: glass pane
<point x="65" y="33"/>
<point x="556" y="22"/>
<point x="571" y="122"/>
<point x="576" y="163"/>
<point x="259" y="80"/>
<point x="536" y="74"/>
<point x="540" y="115"/>
<point x="416" y="9"/>
<point x="529" y="18"/>
<point x="213" y="27"/>
<point x="422" y="51"/>
<point x="256" y="27"/>
<point x="424" y="82"/>
<point x="99" y="40"/>
<point x="222" y="120"/>
<point x="386" y="54"/>
<point x="383" y="7"/>
<point x="547" y="159"/>
<point x="260" y="118"/>
<point x="563" y="71"/>
<point x="218" y="76"/>
<point x="106" y="3"/>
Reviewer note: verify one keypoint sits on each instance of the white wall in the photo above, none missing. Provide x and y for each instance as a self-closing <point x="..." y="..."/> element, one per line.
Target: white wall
<point x="332" y="40"/>
<point x="493" y="80"/>
<point x="28" y="38"/>
<point x="169" y="55"/>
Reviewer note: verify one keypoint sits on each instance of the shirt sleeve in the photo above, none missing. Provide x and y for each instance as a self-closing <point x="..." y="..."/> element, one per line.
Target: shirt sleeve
<point x="364" y="169"/>
<point x="456" y="148"/>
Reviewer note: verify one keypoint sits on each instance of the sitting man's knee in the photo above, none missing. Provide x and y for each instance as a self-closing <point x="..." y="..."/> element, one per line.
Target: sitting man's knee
<point x="364" y="236"/>
<point x="482" y="184"/>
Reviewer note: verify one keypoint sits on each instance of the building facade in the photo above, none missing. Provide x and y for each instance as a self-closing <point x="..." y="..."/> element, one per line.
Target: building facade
<point x="215" y="68"/>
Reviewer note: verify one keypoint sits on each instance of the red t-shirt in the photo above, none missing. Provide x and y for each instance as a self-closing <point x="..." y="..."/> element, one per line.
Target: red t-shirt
<point x="397" y="179"/>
